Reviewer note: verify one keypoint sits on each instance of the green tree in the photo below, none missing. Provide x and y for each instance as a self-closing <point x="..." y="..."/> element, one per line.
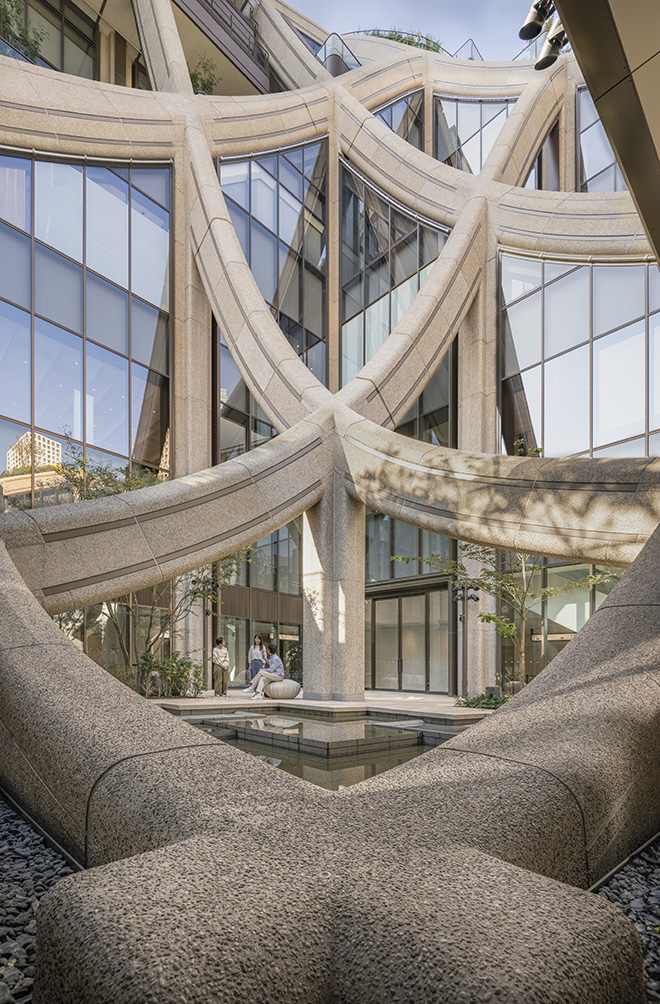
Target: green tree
<point x="204" y="76"/>
<point x="512" y="578"/>
<point x="27" y="40"/>
<point x="155" y="613"/>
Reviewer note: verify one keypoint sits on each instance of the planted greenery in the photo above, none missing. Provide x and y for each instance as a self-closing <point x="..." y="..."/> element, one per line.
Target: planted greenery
<point x="27" y="40"/>
<point x="418" y="39"/>
<point x="482" y="701"/>
<point x="204" y="76"/>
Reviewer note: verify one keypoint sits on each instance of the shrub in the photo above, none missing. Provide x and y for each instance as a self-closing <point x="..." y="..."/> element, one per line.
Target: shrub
<point x="482" y="701"/>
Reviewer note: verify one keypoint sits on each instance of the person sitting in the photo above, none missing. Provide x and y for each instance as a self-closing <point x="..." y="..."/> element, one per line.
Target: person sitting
<point x="272" y="672"/>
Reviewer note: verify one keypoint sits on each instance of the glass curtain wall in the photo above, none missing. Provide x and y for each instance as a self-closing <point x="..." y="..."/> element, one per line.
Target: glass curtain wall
<point x="84" y="320"/>
<point x="386" y="255"/>
<point x="554" y="621"/>
<point x="409" y="642"/>
<point x="466" y="130"/>
<point x="598" y="170"/>
<point x="69" y="42"/>
<point x="580" y="357"/>
<point x="277" y="205"/>
<point x="544" y="173"/>
<point x="84" y="354"/>
<point x="405" y="117"/>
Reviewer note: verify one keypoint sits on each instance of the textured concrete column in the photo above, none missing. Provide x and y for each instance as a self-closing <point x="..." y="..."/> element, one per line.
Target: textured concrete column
<point x="333" y="597"/>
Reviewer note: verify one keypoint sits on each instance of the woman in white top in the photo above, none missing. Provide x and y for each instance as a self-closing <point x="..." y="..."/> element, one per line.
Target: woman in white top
<point x="256" y="656"/>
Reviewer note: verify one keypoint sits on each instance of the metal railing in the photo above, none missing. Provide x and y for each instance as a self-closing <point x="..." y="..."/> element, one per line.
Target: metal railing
<point x="468" y="50"/>
<point x="335" y="55"/>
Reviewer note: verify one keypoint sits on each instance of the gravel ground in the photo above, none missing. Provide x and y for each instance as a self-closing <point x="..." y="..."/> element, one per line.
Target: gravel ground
<point x="28" y="869"/>
<point x="635" y="888"/>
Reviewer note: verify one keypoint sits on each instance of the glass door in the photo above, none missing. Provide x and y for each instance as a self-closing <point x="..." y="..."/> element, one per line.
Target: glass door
<point x="407" y="642"/>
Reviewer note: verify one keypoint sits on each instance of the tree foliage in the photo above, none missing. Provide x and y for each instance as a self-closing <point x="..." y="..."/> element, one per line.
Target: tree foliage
<point x="27" y="40"/>
<point x="204" y="76"/>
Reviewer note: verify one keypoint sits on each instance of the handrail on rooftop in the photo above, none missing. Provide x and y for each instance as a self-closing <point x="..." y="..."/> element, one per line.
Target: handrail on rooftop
<point x="336" y="56"/>
<point x="420" y="41"/>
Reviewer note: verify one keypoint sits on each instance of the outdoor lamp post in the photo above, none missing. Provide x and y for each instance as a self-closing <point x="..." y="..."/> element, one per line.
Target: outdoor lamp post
<point x="463" y="594"/>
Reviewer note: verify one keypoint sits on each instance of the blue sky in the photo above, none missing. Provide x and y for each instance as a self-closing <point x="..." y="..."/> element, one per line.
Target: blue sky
<point x="492" y="25"/>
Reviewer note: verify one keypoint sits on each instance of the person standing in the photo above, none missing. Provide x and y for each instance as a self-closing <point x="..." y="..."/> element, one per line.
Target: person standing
<point x="220" y="668"/>
<point x="272" y="672"/>
<point x="256" y="656"/>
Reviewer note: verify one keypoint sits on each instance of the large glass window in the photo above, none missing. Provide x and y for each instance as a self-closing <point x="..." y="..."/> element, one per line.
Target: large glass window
<point x="598" y="170"/>
<point x="99" y="373"/>
<point x="405" y="117"/>
<point x="385" y="255"/>
<point x="466" y="130"/>
<point x="574" y="342"/>
<point x="277" y="204"/>
<point x="69" y="40"/>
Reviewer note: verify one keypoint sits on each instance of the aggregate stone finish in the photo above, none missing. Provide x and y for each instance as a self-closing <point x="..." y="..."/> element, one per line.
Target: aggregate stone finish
<point x="452" y="878"/>
<point x="28" y="869"/>
<point x="635" y="889"/>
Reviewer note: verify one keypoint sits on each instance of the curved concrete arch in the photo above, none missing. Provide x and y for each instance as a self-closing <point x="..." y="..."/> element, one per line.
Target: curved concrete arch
<point x="547" y="792"/>
<point x="77" y="554"/>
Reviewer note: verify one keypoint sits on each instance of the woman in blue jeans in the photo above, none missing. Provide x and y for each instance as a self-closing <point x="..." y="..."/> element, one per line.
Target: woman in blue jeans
<point x="256" y="656"/>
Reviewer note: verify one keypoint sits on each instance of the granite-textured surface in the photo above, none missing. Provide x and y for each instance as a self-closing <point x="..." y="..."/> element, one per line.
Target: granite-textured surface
<point x="444" y="879"/>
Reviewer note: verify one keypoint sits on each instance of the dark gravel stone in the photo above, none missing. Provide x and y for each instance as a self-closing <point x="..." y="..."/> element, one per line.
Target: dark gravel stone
<point x="28" y="869"/>
<point x="635" y="890"/>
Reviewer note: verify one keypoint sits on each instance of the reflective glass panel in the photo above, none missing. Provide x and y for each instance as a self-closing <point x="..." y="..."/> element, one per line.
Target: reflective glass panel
<point x="262" y="567"/>
<point x="58" y="287"/>
<point x="439" y="641"/>
<point x="264" y="197"/>
<point x="522" y="334"/>
<point x="149" y="336"/>
<point x="404" y="259"/>
<point x="16" y="271"/>
<point x="235" y="182"/>
<point x="241" y="225"/>
<point x="521" y="409"/>
<point x="567" y="312"/>
<point x="154" y="182"/>
<point x="314" y="302"/>
<point x="377" y="326"/>
<point x="106" y="313"/>
<point x="386" y="632"/>
<point x="595" y="151"/>
<point x="402" y="297"/>
<point x="149" y="415"/>
<point x="316" y="356"/>
<point x="150" y="245"/>
<point x="15" y="191"/>
<point x="519" y="276"/>
<point x="59" y="206"/>
<point x="631" y="448"/>
<point x="15" y="356"/>
<point x="405" y="546"/>
<point x="491" y="131"/>
<point x="107" y="225"/>
<point x="15" y="466"/>
<point x="654" y="372"/>
<point x="352" y="359"/>
<point x="619" y="295"/>
<point x="566" y="426"/>
<point x="264" y="262"/>
<point x="290" y="219"/>
<point x="291" y="177"/>
<point x="58" y="371"/>
<point x="619" y="392"/>
<point x="654" y="287"/>
<point x="233" y="435"/>
<point x="413" y="643"/>
<point x="588" y="113"/>
<point x="106" y="399"/>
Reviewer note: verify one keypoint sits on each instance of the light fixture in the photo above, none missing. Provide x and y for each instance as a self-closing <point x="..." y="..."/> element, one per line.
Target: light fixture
<point x="538" y="14"/>
<point x="555" y="39"/>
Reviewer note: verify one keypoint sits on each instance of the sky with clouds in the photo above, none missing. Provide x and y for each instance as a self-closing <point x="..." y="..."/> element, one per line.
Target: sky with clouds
<point x="493" y="25"/>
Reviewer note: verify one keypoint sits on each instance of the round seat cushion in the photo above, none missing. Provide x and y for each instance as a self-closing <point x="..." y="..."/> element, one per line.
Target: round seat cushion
<point x="283" y="690"/>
